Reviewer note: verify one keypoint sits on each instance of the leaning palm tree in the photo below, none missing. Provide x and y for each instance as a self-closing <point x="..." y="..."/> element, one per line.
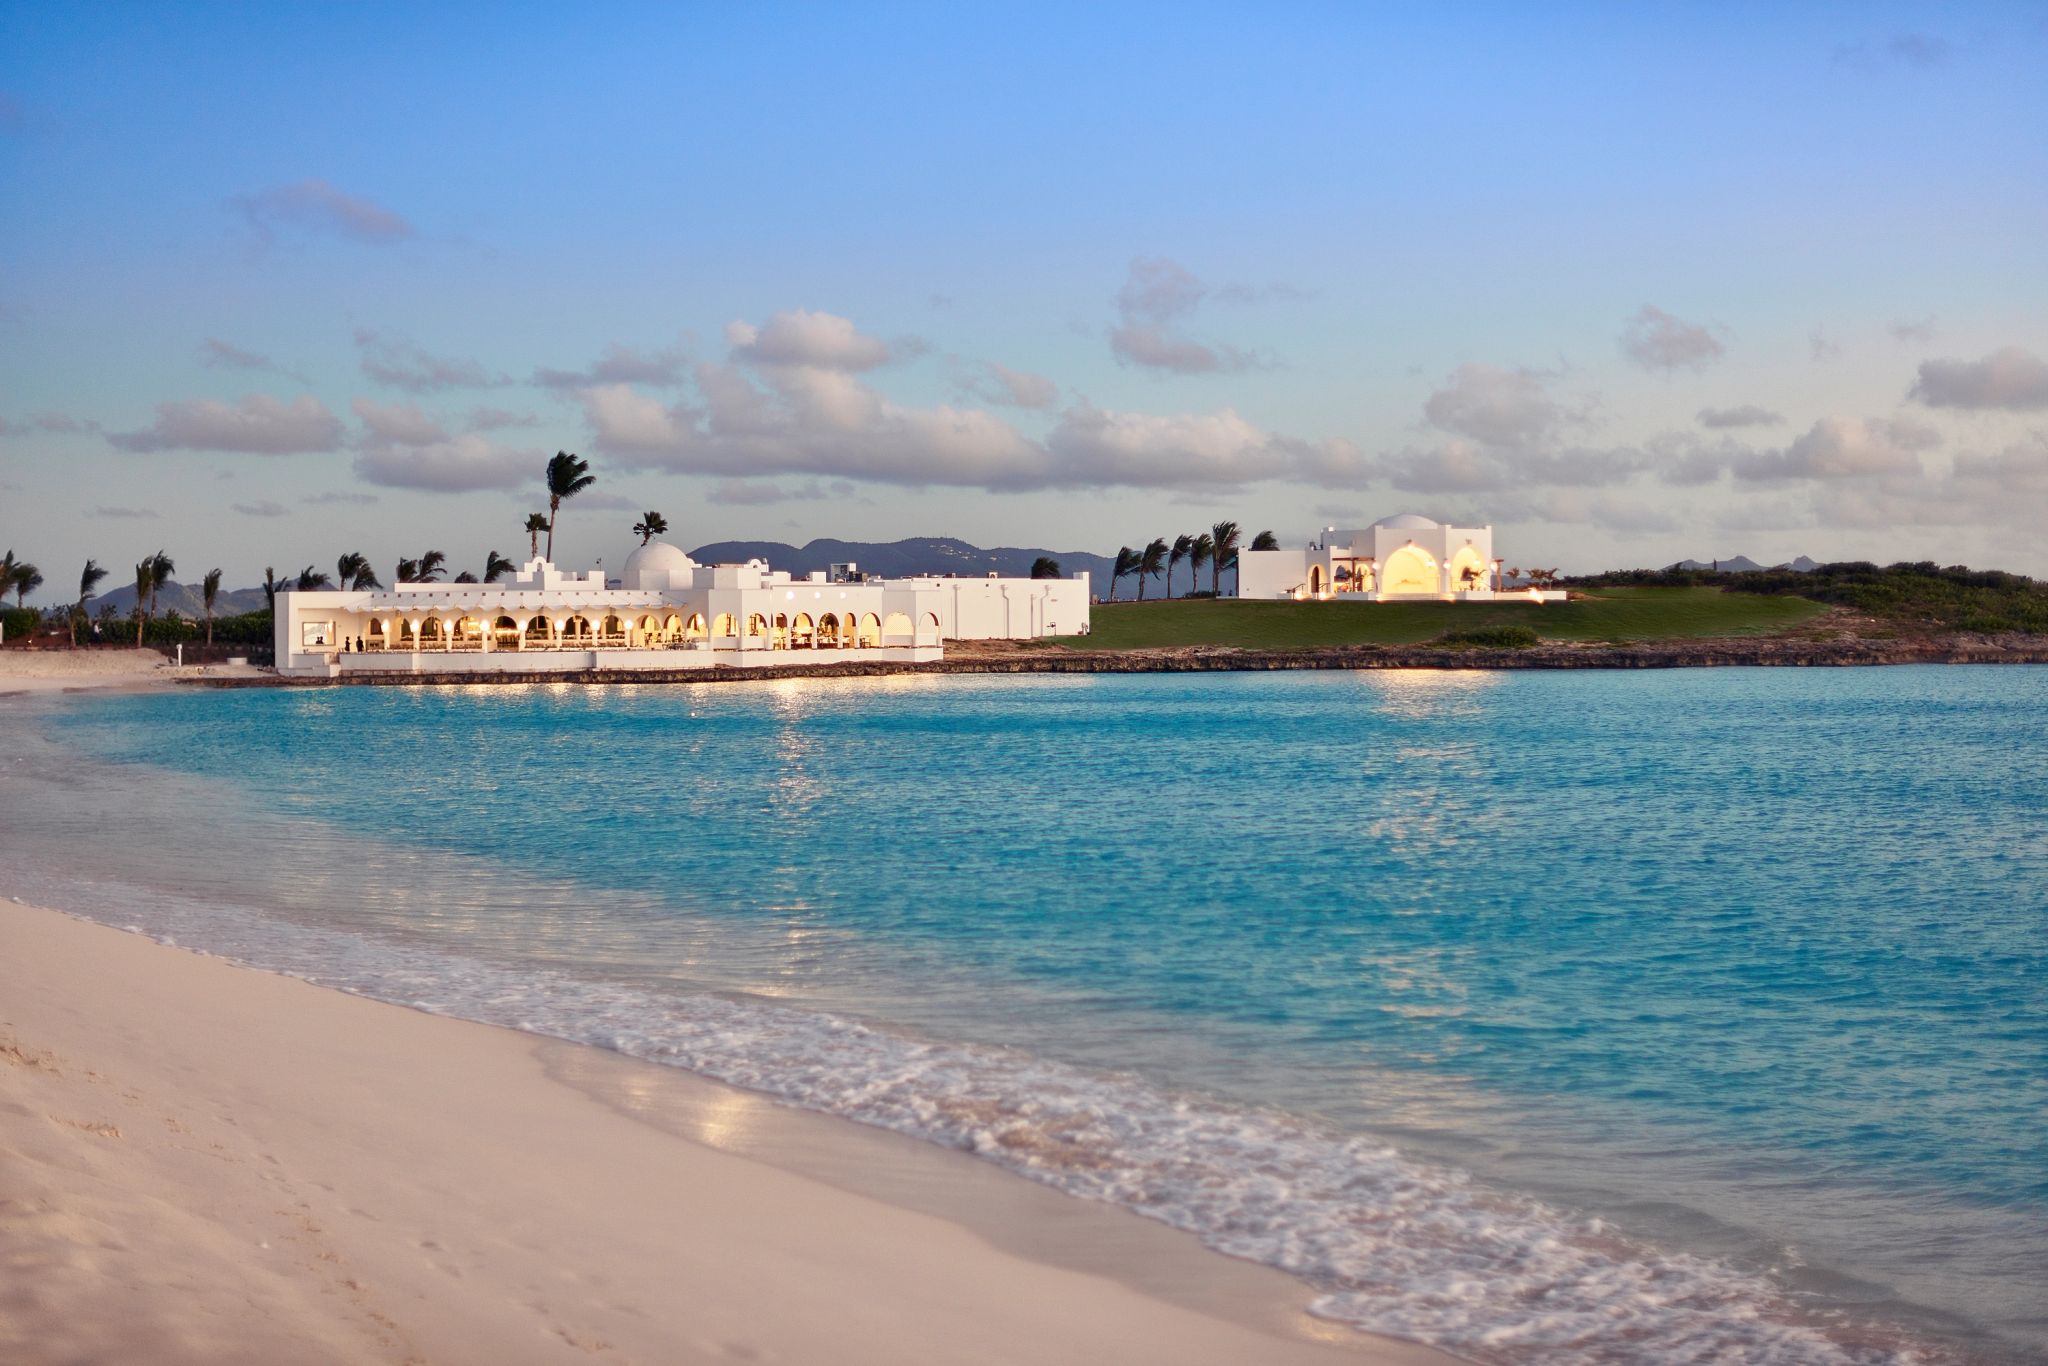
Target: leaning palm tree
<point x="209" y="590"/>
<point x="1126" y="564"/>
<point x="407" y="571"/>
<point x="24" y="579"/>
<point x="496" y="566"/>
<point x="1265" y="540"/>
<point x="536" y="523"/>
<point x="160" y="568"/>
<point x="1222" y="555"/>
<point x="145" y="584"/>
<point x="464" y="577"/>
<point x="650" y="526"/>
<point x="1045" y="567"/>
<point x="6" y="571"/>
<point x="310" y="579"/>
<point x="353" y="571"/>
<point x="1150" y="563"/>
<point x="1199" y="553"/>
<point x="430" y="567"/>
<point x="271" y="583"/>
<point x="87" y="582"/>
<point x="1183" y="545"/>
<point x="568" y="475"/>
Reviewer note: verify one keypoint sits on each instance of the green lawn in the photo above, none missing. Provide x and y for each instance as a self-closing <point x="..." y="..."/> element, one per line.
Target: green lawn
<point x="1615" y="614"/>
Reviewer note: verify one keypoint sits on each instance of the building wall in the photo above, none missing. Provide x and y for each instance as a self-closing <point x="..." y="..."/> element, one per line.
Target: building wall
<point x="1271" y="573"/>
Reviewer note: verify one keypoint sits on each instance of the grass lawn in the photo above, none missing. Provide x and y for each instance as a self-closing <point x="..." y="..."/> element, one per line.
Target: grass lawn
<point x="1614" y="614"/>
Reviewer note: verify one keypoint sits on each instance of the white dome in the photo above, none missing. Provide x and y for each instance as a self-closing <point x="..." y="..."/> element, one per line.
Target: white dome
<point x="1406" y="521"/>
<point x="657" y="565"/>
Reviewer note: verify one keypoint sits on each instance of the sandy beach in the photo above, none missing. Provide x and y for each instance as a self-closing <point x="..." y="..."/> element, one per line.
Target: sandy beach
<point x="45" y="671"/>
<point x="203" y="1162"/>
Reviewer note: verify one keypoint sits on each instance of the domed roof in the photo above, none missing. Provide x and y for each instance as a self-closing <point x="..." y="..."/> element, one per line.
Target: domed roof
<point x="1406" y="521"/>
<point x="655" y="560"/>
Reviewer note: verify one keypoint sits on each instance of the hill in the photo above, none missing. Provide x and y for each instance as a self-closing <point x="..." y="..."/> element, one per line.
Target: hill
<point x="900" y="559"/>
<point x="184" y="599"/>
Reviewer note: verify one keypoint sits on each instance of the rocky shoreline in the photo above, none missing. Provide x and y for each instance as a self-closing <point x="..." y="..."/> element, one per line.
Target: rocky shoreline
<point x="1032" y="659"/>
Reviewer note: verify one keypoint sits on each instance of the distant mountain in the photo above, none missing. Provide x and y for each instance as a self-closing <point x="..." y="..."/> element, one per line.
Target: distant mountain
<point x="1742" y="564"/>
<point x="903" y="559"/>
<point x="183" y="598"/>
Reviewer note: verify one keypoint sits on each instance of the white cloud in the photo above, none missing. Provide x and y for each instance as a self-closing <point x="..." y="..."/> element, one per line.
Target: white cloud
<point x="619" y="365"/>
<point x="1496" y="406"/>
<point x="1156" y="296"/>
<point x="1014" y="388"/>
<point x="1656" y="340"/>
<point x="1745" y="415"/>
<point x="258" y="425"/>
<point x="1920" y="330"/>
<point x="462" y="464"/>
<point x="400" y="364"/>
<point x="399" y="424"/>
<point x="1845" y="448"/>
<point x="800" y="337"/>
<point x="314" y="206"/>
<point x="1093" y="447"/>
<point x="2020" y="468"/>
<point x="2009" y="378"/>
<point x="265" y="508"/>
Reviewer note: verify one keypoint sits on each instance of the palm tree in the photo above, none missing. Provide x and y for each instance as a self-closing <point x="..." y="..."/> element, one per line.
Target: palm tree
<point x="430" y="567"/>
<point x="1126" y="563"/>
<point x="87" y="582"/>
<point x="1199" y="551"/>
<point x="271" y="584"/>
<point x="209" y="589"/>
<point x="650" y="526"/>
<point x="1150" y="563"/>
<point x="1222" y="555"/>
<point x="1265" y="540"/>
<point x="25" y="579"/>
<point x="568" y="475"/>
<point x="145" y="584"/>
<point x="6" y="571"/>
<point x="1045" y="567"/>
<point x="1183" y="546"/>
<point x="310" y="579"/>
<point x="536" y="523"/>
<point x="353" y="571"/>
<point x="496" y="567"/>
<point x="407" y="571"/>
<point x="160" y="568"/>
<point x="465" y="577"/>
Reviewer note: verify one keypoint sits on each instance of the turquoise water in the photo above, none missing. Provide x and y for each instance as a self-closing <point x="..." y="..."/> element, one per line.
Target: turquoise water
<point x="1696" y="1014"/>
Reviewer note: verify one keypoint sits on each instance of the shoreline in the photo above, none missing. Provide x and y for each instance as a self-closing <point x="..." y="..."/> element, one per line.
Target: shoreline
<point x="268" y="1169"/>
<point x="1029" y="659"/>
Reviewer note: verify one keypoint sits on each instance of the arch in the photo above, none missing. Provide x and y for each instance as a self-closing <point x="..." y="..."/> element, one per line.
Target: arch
<point x="723" y="625"/>
<point x="374" y="638"/>
<point x="405" y="635"/>
<point x="1315" y="580"/>
<point x="1469" y="569"/>
<point x="613" y="631"/>
<point x="931" y="621"/>
<point x="828" y="632"/>
<point x="1411" y="569"/>
<point x="467" y="634"/>
<point x="505" y="634"/>
<point x="895" y="624"/>
<point x="870" y="634"/>
<point x="539" y="632"/>
<point x="802" y="632"/>
<point x="757" y="625"/>
<point x="576" y="630"/>
<point x="694" y="629"/>
<point x="672" y="627"/>
<point x="781" y="640"/>
<point x="430" y="633"/>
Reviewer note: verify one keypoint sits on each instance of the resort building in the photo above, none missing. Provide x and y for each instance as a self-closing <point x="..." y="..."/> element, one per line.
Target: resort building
<point x="1404" y="558"/>
<point x="665" y="611"/>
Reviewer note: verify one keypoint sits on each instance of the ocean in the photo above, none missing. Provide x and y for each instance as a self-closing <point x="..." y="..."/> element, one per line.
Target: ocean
<point x="1687" y="1015"/>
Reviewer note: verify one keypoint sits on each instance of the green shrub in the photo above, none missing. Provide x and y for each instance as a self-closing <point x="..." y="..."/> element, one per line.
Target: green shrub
<point x="20" y="622"/>
<point x="1491" y="638"/>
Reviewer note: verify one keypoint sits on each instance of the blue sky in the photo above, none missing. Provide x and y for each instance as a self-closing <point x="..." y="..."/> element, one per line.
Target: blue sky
<point x="1628" y="283"/>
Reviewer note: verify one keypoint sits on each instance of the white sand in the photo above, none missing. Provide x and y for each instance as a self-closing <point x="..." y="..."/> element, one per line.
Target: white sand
<point x="205" y="1163"/>
<point x="108" y="667"/>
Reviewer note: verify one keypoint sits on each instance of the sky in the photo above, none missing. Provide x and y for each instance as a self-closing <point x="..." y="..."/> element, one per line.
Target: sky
<point x="1627" y="283"/>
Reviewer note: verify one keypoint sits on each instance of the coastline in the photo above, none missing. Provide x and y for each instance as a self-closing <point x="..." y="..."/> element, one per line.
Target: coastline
<point x="222" y="1163"/>
<point x="1039" y="659"/>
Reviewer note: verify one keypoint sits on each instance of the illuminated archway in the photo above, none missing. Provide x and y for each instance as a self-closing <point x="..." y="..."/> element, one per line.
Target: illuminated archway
<point x="828" y="632"/>
<point x="1410" y="569"/>
<point x="1315" y="580"/>
<point x="870" y="632"/>
<point x="724" y="625"/>
<point x="757" y="625"/>
<point x="1468" y="569"/>
<point x="896" y="624"/>
<point x="801" y="632"/>
<point x="540" y="631"/>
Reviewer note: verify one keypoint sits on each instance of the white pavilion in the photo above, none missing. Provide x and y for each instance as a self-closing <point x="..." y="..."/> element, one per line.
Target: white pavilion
<point x="1403" y="558"/>
<point x="665" y="611"/>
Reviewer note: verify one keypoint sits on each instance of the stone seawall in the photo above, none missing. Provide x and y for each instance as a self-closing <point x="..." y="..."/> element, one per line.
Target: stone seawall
<point x="1681" y="654"/>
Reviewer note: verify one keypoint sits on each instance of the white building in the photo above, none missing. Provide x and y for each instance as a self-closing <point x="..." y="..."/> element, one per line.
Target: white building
<point x="1404" y="558"/>
<point x="667" y="612"/>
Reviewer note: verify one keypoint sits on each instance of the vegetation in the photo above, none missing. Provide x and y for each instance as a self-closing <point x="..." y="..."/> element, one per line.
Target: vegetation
<point x="1151" y="561"/>
<point x="1045" y="567"/>
<point x="1611" y="615"/>
<point x="567" y="476"/>
<point x="1491" y="637"/>
<point x="209" y="588"/>
<point x="649" y="526"/>
<point x="536" y="523"/>
<point x="1923" y="595"/>
<point x="88" y="584"/>
<point x="496" y="567"/>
